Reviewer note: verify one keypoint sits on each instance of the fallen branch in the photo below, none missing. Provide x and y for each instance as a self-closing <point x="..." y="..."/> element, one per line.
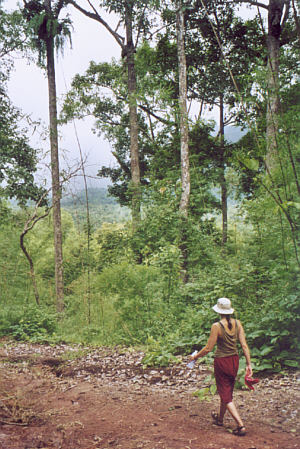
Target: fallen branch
<point x="14" y="423"/>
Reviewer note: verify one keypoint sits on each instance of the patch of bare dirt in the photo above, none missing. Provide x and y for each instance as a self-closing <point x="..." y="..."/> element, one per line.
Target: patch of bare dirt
<point x="67" y="397"/>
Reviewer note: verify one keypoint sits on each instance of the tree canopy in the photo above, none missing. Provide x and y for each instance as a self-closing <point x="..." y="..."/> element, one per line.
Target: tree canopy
<point x="18" y="160"/>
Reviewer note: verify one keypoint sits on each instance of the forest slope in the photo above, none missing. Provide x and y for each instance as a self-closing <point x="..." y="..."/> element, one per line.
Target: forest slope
<point x="102" y="207"/>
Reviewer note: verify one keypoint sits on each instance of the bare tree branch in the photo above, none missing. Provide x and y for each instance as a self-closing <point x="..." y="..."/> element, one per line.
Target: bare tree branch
<point x="148" y="110"/>
<point x="251" y="2"/>
<point x="29" y="225"/>
<point x="121" y="163"/>
<point x="98" y="18"/>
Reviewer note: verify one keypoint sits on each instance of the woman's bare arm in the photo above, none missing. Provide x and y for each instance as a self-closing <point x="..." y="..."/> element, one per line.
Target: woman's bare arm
<point x="212" y="340"/>
<point x="243" y="342"/>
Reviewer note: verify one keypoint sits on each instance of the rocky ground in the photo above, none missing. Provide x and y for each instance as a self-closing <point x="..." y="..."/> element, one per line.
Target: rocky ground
<point x="71" y="397"/>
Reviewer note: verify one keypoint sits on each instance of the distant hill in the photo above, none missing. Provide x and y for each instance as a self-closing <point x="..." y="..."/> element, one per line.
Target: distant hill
<point x="97" y="196"/>
<point x="234" y="133"/>
<point x="102" y="207"/>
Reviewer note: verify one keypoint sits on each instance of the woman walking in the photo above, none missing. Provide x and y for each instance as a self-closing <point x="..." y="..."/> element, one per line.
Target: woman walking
<point x="225" y="334"/>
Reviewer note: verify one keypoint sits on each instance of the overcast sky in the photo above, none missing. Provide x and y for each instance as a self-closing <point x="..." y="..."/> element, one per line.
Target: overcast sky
<point x="29" y="91"/>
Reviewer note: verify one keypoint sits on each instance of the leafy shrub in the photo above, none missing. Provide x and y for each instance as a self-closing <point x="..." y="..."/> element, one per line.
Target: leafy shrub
<point x="34" y="324"/>
<point x="274" y="340"/>
<point x="206" y="393"/>
<point x="161" y="357"/>
<point x="139" y="301"/>
<point x="112" y="242"/>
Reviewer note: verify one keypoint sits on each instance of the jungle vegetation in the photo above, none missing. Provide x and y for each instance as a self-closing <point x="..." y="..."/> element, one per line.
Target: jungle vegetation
<point x="190" y="214"/>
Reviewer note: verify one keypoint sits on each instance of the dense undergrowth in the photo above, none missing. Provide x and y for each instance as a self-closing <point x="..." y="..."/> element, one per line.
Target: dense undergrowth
<point x="129" y="289"/>
<point x="152" y="283"/>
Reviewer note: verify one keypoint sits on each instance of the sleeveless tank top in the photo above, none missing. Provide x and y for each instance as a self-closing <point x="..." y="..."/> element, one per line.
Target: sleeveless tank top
<point x="227" y="343"/>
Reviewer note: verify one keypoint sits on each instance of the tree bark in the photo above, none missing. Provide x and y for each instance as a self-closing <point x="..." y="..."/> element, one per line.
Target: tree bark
<point x="184" y="131"/>
<point x="223" y="183"/>
<point x="296" y="18"/>
<point x="276" y="20"/>
<point x="128" y="50"/>
<point x="56" y="191"/>
<point x="275" y="13"/>
<point x="133" y="118"/>
<point x="184" y="141"/>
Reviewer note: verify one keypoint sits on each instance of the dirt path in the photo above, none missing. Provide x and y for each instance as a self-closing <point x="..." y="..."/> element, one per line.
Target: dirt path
<point x="74" y="398"/>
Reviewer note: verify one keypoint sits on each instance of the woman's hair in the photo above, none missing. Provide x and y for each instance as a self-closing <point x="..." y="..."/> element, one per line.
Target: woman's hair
<point x="229" y="322"/>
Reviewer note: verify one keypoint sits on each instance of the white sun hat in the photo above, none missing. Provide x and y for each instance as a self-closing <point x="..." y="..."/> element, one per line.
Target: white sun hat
<point x="223" y="306"/>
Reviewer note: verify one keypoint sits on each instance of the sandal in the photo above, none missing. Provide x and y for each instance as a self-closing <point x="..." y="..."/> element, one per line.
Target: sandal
<point x="239" y="431"/>
<point x="215" y="418"/>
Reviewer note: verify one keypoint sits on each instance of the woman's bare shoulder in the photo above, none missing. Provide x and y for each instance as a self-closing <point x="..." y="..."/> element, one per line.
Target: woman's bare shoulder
<point x="216" y="324"/>
<point x="215" y="327"/>
<point x="239" y="325"/>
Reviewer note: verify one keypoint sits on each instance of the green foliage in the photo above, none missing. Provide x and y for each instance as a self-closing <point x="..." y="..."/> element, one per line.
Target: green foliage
<point x="18" y="160"/>
<point x="13" y="36"/>
<point x="89" y="315"/>
<point x="159" y="358"/>
<point x="158" y="355"/>
<point x="274" y="345"/>
<point x="122" y="301"/>
<point x="126" y="286"/>
<point x="112" y="246"/>
<point x="74" y="248"/>
<point x="44" y="26"/>
<point x="14" y="283"/>
<point x="5" y="214"/>
<point x="32" y="323"/>
<point x="102" y="208"/>
<point x="207" y="392"/>
<point x="136" y="289"/>
<point x="139" y="12"/>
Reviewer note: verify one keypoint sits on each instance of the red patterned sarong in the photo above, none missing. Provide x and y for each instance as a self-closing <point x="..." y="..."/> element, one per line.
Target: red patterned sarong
<point x="226" y="369"/>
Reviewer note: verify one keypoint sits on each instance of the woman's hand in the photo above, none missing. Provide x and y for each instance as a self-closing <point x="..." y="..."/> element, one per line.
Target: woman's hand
<point x="249" y="371"/>
<point x="194" y="356"/>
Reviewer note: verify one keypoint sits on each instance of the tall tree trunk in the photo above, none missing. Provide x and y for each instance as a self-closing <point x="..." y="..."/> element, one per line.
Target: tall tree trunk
<point x="133" y="118"/>
<point x="56" y="190"/>
<point x="275" y="12"/>
<point x="296" y="18"/>
<point x="223" y="183"/>
<point x="128" y="51"/>
<point x="184" y="141"/>
<point x="184" y="131"/>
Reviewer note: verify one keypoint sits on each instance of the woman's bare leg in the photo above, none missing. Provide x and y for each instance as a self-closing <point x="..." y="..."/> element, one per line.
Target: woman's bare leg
<point x="235" y="414"/>
<point x="223" y="408"/>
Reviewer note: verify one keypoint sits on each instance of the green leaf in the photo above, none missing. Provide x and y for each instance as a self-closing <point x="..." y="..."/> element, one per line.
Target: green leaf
<point x="213" y="389"/>
<point x="263" y="366"/>
<point x="292" y="363"/>
<point x="293" y="204"/>
<point x="204" y="394"/>
<point x="250" y="163"/>
<point x="266" y="350"/>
